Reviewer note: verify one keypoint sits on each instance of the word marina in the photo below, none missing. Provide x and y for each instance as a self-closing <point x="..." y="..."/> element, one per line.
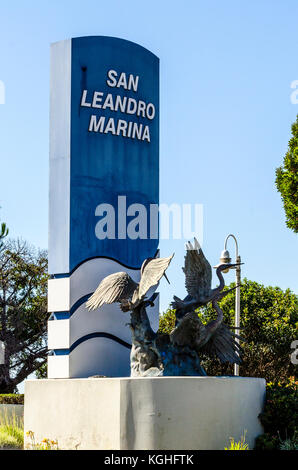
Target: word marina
<point x="124" y="104"/>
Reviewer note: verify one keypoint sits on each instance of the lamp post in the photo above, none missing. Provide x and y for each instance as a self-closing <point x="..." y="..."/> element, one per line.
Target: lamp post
<point x="2" y="353"/>
<point x="225" y="258"/>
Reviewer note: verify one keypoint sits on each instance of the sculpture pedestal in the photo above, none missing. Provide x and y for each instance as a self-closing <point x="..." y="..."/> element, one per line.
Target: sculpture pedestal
<point x="174" y="413"/>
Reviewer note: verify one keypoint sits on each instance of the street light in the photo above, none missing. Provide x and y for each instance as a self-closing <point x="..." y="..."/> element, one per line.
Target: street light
<point x="2" y="353"/>
<point x="225" y="258"/>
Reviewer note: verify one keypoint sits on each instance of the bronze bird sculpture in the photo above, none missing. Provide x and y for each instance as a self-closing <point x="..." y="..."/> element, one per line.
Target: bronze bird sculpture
<point x="178" y="352"/>
<point x="198" y="277"/>
<point x="214" y="339"/>
<point x="120" y="287"/>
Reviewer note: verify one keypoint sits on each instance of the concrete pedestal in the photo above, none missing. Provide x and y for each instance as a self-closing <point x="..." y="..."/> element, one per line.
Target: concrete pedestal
<point x="173" y="413"/>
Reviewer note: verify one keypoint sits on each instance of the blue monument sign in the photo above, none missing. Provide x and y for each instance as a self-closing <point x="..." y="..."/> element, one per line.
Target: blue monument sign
<point x="104" y="190"/>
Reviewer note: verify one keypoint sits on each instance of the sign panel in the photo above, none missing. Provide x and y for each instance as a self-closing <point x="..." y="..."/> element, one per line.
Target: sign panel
<point x="104" y="182"/>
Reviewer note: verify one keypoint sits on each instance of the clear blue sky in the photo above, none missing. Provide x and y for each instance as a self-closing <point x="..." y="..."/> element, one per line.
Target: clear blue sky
<point x="226" y="70"/>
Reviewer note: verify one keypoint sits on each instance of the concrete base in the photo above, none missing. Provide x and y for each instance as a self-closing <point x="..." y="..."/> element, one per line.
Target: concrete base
<point x="173" y="413"/>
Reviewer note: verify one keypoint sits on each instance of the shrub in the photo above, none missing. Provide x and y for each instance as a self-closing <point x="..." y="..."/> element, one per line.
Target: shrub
<point x="290" y="444"/>
<point x="280" y="416"/>
<point x="267" y="442"/>
<point x="11" y="432"/>
<point x="11" y="399"/>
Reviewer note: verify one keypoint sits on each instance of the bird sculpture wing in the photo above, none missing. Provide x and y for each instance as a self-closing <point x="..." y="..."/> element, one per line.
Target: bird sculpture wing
<point x="197" y="270"/>
<point x="223" y="345"/>
<point x="113" y="288"/>
<point x="188" y="331"/>
<point x="152" y="274"/>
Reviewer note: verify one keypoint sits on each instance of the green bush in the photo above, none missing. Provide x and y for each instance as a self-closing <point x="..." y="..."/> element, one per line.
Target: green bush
<point x="290" y="444"/>
<point x="11" y="399"/>
<point x="267" y="442"/>
<point x="280" y="416"/>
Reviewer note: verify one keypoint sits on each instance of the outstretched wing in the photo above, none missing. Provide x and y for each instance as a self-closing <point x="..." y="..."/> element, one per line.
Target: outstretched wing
<point x="188" y="331"/>
<point x="197" y="270"/>
<point x="152" y="274"/>
<point x="222" y="344"/>
<point x="113" y="288"/>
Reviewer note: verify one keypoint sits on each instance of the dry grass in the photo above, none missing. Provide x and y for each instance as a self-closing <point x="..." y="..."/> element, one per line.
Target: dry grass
<point x="11" y="432"/>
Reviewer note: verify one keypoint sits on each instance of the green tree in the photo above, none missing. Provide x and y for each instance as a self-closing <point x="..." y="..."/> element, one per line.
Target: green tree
<point x="3" y="232"/>
<point x="287" y="180"/>
<point x="23" y="312"/>
<point x="269" y="320"/>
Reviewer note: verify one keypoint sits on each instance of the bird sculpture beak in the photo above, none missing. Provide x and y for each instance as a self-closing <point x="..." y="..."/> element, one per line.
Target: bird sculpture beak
<point x="228" y="265"/>
<point x="166" y="278"/>
<point x="233" y="265"/>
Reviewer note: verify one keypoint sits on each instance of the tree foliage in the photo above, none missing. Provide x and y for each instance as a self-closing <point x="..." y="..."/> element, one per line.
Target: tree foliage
<point x="23" y="312"/>
<point x="269" y="320"/>
<point x="287" y="180"/>
<point x="280" y="416"/>
<point x="3" y="232"/>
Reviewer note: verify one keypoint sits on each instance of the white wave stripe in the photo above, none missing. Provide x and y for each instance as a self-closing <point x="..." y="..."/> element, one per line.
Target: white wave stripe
<point x="97" y="356"/>
<point x="63" y="293"/>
